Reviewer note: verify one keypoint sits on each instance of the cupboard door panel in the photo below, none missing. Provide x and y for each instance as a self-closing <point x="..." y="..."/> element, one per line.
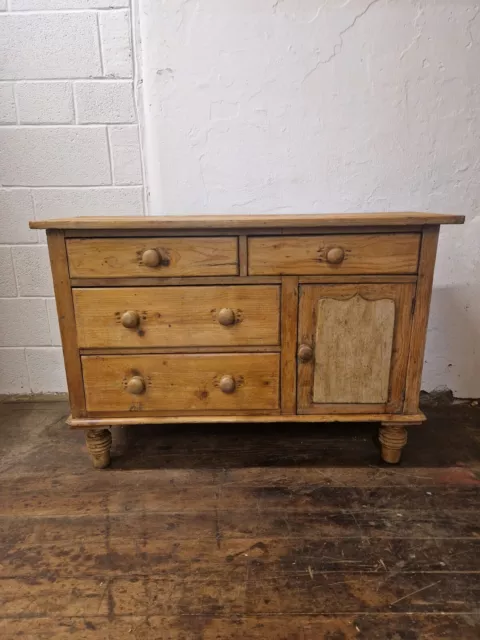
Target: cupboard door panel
<point x="353" y="350"/>
<point x="357" y="340"/>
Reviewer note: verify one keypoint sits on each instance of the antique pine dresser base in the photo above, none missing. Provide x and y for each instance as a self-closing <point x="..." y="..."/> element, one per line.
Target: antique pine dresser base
<point x="318" y="318"/>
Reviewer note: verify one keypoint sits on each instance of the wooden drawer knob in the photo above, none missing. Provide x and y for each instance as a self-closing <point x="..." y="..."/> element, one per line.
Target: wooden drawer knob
<point x="227" y="384"/>
<point x="335" y="255"/>
<point x="130" y="319"/>
<point x="305" y="353"/>
<point x="151" y="258"/>
<point x="226" y="317"/>
<point x="136" y="385"/>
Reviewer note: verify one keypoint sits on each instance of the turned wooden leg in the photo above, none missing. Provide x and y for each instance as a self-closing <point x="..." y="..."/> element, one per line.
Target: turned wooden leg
<point x="393" y="437"/>
<point x="99" y="442"/>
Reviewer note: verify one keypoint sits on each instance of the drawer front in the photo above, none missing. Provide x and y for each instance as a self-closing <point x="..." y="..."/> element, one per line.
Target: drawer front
<point x="152" y="257"/>
<point x="199" y="316"/>
<point x="334" y="254"/>
<point x="184" y="383"/>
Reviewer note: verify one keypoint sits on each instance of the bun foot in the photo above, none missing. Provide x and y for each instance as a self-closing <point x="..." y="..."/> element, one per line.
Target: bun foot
<point x="392" y="437"/>
<point x="99" y="442"/>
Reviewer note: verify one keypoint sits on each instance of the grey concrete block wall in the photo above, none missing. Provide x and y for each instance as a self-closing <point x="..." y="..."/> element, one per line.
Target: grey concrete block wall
<point x="69" y="145"/>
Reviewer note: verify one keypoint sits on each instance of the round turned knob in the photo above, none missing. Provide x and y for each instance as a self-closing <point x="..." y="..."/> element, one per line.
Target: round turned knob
<point x="226" y="317"/>
<point x="227" y="384"/>
<point x="136" y="385"/>
<point x="130" y="319"/>
<point x="335" y="255"/>
<point x="305" y="353"/>
<point x="151" y="258"/>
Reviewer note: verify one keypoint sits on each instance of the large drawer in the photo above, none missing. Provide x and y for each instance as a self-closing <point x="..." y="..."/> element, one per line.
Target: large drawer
<point x="177" y="316"/>
<point x="185" y="383"/>
<point x="152" y="257"/>
<point x="382" y="253"/>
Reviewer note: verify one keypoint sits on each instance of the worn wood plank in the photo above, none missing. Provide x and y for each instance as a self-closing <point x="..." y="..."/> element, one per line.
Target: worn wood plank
<point x="418" y="339"/>
<point x="289" y="315"/>
<point x="127" y="257"/>
<point x="360" y="626"/>
<point x="178" y="316"/>
<point x="243" y="255"/>
<point x="247" y="221"/>
<point x="66" y="321"/>
<point x="174" y="282"/>
<point x="310" y="255"/>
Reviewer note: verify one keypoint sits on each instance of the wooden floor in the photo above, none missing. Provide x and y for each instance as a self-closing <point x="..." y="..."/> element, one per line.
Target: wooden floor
<point x="290" y="532"/>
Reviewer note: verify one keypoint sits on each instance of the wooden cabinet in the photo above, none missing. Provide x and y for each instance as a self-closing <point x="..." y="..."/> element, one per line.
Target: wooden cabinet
<point x="249" y="318"/>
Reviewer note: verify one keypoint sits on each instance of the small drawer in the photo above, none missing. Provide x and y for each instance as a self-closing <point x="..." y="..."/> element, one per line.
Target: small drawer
<point x="152" y="257"/>
<point x="334" y="254"/>
<point x="200" y="316"/>
<point x="186" y="383"/>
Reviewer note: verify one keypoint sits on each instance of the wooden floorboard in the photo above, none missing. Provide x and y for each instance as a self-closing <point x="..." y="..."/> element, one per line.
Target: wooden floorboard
<point x="289" y="532"/>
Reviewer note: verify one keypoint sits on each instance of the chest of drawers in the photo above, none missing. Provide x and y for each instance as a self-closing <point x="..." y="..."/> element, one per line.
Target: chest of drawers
<point x="245" y="319"/>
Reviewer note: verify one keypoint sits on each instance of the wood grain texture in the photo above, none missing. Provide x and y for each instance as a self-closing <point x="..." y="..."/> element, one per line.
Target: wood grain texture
<point x="289" y="315"/>
<point x="418" y="339"/>
<point x="242" y="255"/>
<point x="353" y="350"/>
<point x="401" y="295"/>
<point x="123" y="257"/>
<point x="112" y="421"/>
<point x="247" y="221"/>
<point x="174" y="282"/>
<point x="178" y="316"/>
<point x="364" y="254"/>
<point x="182" y="382"/>
<point x="66" y="320"/>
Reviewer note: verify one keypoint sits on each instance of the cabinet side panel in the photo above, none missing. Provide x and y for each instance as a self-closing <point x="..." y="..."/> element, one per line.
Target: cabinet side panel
<point x="66" y="318"/>
<point x="428" y="252"/>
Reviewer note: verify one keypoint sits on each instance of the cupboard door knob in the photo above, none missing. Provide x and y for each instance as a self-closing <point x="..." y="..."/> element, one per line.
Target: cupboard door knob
<point x="226" y="317"/>
<point x="151" y="258"/>
<point x="130" y="319"/>
<point x="305" y="353"/>
<point x="227" y="384"/>
<point x="335" y="255"/>
<point x="136" y="385"/>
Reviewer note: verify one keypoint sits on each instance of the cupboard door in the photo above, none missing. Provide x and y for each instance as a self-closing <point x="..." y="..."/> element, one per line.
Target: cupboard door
<point x="353" y="347"/>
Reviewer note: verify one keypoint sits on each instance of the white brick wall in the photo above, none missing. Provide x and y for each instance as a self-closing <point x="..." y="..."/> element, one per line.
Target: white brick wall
<point x="69" y="145"/>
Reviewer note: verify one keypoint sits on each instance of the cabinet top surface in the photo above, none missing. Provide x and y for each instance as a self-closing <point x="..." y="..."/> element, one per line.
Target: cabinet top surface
<point x="226" y="221"/>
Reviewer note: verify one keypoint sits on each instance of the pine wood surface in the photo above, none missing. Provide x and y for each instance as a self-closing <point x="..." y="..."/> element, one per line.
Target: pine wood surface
<point x="224" y="221"/>
<point x="182" y="382"/>
<point x="123" y="257"/>
<point x="178" y="316"/>
<point x="310" y="295"/>
<point x="285" y="532"/>
<point x="309" y="255"/>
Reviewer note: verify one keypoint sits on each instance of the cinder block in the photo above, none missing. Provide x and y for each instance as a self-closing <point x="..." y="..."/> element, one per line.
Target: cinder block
<point x="46" y="370"/>
<point x="45" y="102"/>
<point x="53" y="322"/>
<point x="104" y="101"/>
<point x="8" y="113"/>
<point x="24" y="322"/>
<point x="115" y="43"/>
<point x="54" y="156"/>
<point x="3" y="5"/>
<point x="32" y="268"/>
<point x="13" y="371"/>
<point x="8" y="287"/>
<point x="16" y="209"/>
<point x="126" y="160"/>
<point x="49" y="45"/>
<point x="115" y="201"/>
<point x="46" y="5"/>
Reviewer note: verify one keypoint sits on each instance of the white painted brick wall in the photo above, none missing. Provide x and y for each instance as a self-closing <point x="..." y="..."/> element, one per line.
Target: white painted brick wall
<point x="68" y="146"/>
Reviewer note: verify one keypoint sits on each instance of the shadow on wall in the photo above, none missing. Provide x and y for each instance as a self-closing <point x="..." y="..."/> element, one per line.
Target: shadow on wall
<point x="451" y="357"/>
